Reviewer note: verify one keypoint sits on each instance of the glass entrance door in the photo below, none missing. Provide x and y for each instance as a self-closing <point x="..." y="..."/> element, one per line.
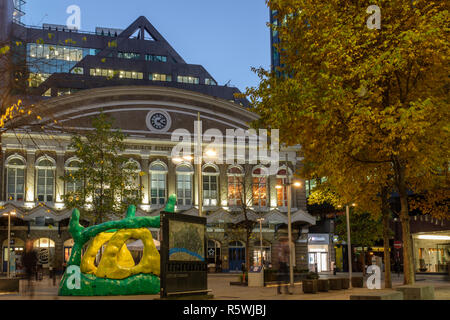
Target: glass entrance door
<point x="318" y="261"/>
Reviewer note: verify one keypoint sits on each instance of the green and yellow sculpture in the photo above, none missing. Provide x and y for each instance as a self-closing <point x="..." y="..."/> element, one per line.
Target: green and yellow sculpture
<point x="116" y="273"/>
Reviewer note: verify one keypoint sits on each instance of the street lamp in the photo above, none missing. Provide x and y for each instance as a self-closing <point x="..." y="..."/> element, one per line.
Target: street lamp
<point x="349" y="244"/>
<point x="260" y="220"/>
<point x="12" y="213"/>
<point x="288" y="185"/>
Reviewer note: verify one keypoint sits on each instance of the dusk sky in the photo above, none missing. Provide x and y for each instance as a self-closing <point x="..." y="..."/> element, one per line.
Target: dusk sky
<point x="226" y="37"/>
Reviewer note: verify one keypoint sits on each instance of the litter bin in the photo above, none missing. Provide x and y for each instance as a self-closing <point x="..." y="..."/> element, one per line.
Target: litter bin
<point x="256" y="277"/>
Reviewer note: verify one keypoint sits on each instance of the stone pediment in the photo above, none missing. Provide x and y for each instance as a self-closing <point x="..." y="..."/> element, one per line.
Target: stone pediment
<point x="302" y="216"/>
<point x="8" y="207"/>
<point x="275" y="217"/>
<point x="219" y="216"/>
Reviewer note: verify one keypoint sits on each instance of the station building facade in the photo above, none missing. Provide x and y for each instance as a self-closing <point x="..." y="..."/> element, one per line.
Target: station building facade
<point x="135" y="76"/>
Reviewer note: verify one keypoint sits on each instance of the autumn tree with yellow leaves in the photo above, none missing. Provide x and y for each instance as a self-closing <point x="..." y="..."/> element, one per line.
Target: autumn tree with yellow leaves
<point x="368" y="106"/>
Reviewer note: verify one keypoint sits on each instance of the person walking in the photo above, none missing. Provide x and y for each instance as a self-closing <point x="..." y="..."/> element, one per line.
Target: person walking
<point x="283" y="270"/>
<point x="29" y="261"/>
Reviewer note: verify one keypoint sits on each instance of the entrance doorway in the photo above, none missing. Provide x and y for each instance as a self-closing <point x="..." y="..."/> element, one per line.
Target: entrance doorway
<point x="318" y="261"/>
<point x="17" y="246"/>
<point x="237" y="255"/>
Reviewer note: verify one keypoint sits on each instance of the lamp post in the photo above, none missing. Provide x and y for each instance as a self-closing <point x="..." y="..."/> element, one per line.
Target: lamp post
<point x="260" y="220"/>
<point x="12" y="213"/>
<point x="349" y="244"/>
<point x="198" y="157"/>
<point x="288" y="185"/>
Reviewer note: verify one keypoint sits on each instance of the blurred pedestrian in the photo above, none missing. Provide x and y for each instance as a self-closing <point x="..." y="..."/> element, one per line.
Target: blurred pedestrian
<point x="29" y="261"/>
<point x="283" y="270"/>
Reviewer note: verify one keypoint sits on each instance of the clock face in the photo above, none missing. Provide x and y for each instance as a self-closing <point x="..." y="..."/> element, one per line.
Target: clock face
<point x="158" y="121"/>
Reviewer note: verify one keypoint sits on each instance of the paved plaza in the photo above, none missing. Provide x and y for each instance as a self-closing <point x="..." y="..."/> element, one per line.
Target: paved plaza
<point x="222" y="290"/>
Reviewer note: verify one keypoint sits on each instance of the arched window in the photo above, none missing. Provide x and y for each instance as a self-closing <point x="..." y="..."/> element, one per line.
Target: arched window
<point x="15" y="178"/>
<point x="158" y="184"/>
<point x="184" y="184"/>
<point x="72" y="166"/>
<point x="259" y="176"/>
<point x="210" y="184"/>
<point x="281" y="187"/>
<point x="134" y="168"/>
<point x="214" y="255"/>
<point x="235" y="186"/>
<point x="45" y="179"/>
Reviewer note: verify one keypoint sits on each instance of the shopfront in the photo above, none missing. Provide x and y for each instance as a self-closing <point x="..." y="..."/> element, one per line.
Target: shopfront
<point x="17" y="247"/>
<point x="432" y="252"/>
<point x="319" y="252"/>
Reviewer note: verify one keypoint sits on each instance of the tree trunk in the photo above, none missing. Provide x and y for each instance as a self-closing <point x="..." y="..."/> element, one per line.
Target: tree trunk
<point x="386" y="235"/>
<point x="408" y="267"/>
<point x="363" y="261"/>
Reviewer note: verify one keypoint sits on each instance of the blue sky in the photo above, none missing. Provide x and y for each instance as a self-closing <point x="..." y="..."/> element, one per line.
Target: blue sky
<point x="227" y="37"/>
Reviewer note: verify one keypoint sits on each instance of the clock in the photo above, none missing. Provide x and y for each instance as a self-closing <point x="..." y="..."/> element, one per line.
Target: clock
<point x="158" y="121"/>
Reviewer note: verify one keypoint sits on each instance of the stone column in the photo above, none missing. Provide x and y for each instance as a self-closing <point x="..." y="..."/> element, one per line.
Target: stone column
<point x="60" y="164"/>
<point x="223" y="186"/>
<point x="272" y="183"/>
<point x="30" y="180"/>
<point x="171" y="178"/>
<point x="59" y="253"/>
<point x="145" y="179"/>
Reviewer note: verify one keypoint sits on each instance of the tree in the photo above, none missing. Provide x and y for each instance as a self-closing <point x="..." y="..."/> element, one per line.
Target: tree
<point x="364" y="231"/>
<point x="104" y="182"/>
<point x="248" y="190"/>
<point x="372" y="103"/>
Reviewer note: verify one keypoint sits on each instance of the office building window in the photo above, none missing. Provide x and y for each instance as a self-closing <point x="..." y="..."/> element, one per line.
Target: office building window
<point x="109" y="73"/>
<point x="210" y="82"/>
<point x="15" y="176"/>
<point x="160" y="77"/>
<point x="155" y="58"/>
<point x="187" y="79"/>
<point x="129" y="55"/>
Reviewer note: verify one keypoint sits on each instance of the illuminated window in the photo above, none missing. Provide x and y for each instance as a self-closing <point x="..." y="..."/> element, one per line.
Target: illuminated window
<point x="158" y="184"/>
<point x="188" y="79"/>
<point x="259" y="178"/>
<point x="184" y="185"/>
<point x="235" y="186"/>
<point x="282" y="188"/>
<point x="73" y="185"/>
<point x="210" y="185"/>
<point x="15" y="179"/>
<point x="160" y="77"/>
<point x="210" y="82"/>
<point x="45" y="179"/>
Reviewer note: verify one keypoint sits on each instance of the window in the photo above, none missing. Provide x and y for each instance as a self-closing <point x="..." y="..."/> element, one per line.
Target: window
<point x="235" y="186"/>
<point x="260" y="187"/>
<point x="45" y="179"/>
<point x="184" y="184"/>
<point x="158" y="176"/>
<point x="214" y="251"/>
<point x="187" y="79"/>
<point x="73" y="185"/>
<point x="282" y="189"/>
<point x="160" y="77"/>
<point x="15" y="179"/>
<point x="210" y="82"/>
<point x="129" y="55"/>
<point x="112" y="73"/>
<point x="210" y="185"/>
<point x="155" y="58"/>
